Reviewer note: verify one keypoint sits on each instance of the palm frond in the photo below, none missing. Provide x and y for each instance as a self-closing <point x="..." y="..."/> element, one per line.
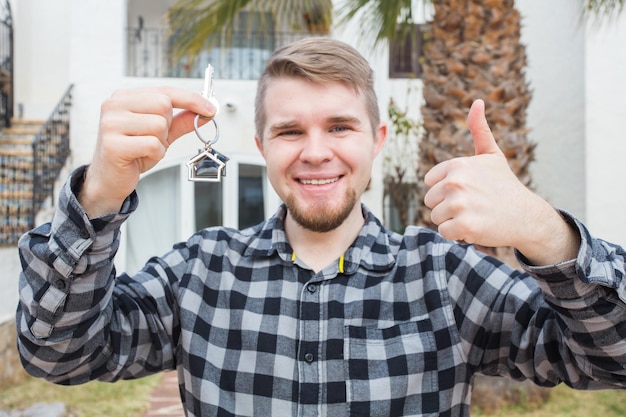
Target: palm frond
<point x="604" y="7"/>
<point x="195" y="24"/>
<point x="380" y="21"/>
<point x="600" y="12"/>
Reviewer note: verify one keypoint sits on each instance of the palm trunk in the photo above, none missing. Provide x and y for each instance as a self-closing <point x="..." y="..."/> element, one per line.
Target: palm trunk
<point x="474" y="52"/>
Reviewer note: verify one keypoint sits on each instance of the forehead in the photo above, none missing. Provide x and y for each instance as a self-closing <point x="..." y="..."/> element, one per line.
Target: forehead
<point x="298" y="97"/>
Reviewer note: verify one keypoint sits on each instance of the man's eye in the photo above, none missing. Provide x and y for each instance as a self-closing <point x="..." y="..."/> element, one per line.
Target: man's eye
<point x="289" y="133"/>
<point x="339" y="128"/>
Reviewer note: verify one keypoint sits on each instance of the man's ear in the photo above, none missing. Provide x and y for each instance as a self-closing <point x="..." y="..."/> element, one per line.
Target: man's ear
<point x="380" y="138"/>
<point x="259" y="144"/>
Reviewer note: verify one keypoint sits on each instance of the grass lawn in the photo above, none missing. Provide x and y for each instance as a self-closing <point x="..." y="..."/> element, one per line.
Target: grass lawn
<point x="94" y="399"/>
<point x="130" y="399"/>
<point x="566" y="402"/>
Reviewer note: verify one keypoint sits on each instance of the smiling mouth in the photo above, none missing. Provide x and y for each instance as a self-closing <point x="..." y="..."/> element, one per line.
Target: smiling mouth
<point x="318" y="181"/>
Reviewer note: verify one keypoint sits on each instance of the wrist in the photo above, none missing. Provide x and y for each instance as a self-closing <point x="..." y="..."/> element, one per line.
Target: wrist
<point x="553" y="239"/>
<point x="92" y="196"/>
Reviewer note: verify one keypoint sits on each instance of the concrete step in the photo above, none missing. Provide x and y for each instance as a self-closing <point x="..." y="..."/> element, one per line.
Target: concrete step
<point x="19" y="151"/>
<point x="21" y="130"/>
<point x="21" y="127"/>
<point x="16" y="196"/>
<point x="16" y="121"/>
<point x="25" y="140"/>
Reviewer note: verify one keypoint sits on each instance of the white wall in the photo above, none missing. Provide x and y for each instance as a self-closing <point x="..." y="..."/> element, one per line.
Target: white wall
<point x="576" y="115"/>
<point x="554" y="39"/>
<point x="9" y="272"/>
<point x="605" y="134"/>
<point x="42" y="40"/>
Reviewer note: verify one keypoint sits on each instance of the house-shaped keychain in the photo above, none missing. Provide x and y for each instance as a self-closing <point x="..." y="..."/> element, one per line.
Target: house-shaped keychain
<point x="209" y="165"/>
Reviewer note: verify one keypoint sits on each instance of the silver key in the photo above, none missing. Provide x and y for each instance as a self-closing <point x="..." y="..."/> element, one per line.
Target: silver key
<point x="207" y="91"/>
<point x="208" y="165"/>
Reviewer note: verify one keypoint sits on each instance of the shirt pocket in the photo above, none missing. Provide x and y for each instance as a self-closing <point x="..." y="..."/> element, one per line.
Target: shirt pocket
<point x="391" y="371"/>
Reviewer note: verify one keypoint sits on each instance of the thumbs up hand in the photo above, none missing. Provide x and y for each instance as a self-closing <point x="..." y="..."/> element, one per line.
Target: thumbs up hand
<point x="478" y="199"/>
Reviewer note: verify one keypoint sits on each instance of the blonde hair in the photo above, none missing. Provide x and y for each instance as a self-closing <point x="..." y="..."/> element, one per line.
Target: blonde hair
<point x="318" y="60"/>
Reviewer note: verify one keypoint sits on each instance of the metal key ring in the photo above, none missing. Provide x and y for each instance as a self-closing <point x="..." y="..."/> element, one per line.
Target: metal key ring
<point x="196" y="128"/>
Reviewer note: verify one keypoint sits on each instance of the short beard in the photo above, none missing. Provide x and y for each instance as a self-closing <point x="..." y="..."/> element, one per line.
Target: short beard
<point x="321" y="218"/>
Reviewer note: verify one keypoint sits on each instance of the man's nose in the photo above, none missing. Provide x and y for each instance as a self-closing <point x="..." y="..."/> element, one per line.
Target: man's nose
<point x="317" y="148"/>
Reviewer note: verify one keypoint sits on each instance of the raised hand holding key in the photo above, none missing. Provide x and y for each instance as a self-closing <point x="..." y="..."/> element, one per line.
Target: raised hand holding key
<point x="137" y="126"/>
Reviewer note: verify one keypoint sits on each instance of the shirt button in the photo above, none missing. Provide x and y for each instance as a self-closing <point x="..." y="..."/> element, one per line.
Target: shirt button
<point x="84" y="233"/>
<point x="311" y="288"/>
<point x="59" y="283"/>
<point x="309" y="357"/>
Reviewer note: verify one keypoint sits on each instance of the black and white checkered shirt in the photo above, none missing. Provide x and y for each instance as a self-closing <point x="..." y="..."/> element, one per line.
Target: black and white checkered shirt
<point x="398" y="327"/>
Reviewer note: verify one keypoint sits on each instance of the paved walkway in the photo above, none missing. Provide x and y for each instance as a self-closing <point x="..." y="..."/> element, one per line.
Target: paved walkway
<point x="165" y="400"/>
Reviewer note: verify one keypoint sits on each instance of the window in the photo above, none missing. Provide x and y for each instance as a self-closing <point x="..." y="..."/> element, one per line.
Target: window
<point x="208" y="201"/>
<point x="251" y="202"/>
<point x="251" y="44"/>
<point x="240" y="54"/>
<point x="405" y="53"/>
<point x="155" y="226"/>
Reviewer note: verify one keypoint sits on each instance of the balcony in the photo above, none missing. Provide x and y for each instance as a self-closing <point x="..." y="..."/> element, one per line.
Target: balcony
<point x="243" y="58"/>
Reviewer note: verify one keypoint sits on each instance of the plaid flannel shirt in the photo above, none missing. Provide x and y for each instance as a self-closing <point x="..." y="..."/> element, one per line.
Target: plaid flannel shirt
<point x="398" y="327"/>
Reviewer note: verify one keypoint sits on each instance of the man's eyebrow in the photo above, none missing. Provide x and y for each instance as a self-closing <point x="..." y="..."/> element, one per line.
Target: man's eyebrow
<point x="344" y="119"/>
<point x="283" y="126"/>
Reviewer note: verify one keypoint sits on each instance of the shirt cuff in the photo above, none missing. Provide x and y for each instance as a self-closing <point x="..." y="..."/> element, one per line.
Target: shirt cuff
<point x="597" y="263"/>
<point x="73" y="233"/>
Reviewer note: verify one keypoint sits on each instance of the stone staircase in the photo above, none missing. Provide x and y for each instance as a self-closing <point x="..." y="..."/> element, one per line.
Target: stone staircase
<point x="16" y="178"/>
<point x="32" y="154"/>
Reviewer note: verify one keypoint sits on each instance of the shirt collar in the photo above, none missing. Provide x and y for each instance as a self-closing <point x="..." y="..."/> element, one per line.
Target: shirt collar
<point x="373" y="249"/>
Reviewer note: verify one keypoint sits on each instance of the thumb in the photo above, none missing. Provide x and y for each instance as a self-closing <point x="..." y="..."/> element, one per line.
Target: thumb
<point x="484" y="142"/>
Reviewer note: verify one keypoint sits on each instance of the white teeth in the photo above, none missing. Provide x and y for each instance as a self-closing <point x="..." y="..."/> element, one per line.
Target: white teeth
<point x="319" y="182"/>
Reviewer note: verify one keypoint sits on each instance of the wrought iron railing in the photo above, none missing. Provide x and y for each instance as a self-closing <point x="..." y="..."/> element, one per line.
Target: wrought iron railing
<point x="242" y="58"/>
<point x="51" y="147"/>
<point x="6" y="65"/>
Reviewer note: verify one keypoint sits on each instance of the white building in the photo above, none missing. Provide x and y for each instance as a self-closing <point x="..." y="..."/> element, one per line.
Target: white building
<point x="575" y="72"/>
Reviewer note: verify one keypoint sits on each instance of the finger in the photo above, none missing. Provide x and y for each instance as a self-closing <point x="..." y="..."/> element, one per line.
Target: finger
<point x="436" y="174"/>
<point x="147" y="151"/>
<point x="183" y="123"/>
<point x="162" y="100"/>
<point x="189" y="100"/>
<point x="446" y="209"/>
<point x="449" y="229"/>
<point x="439" y="216"/>
<point x="136" y="124"/>
<point x="484" y="142"/>
<point x="434" y="196"/>
<point x="134" y="147"/>
<point x="192" y="104"/>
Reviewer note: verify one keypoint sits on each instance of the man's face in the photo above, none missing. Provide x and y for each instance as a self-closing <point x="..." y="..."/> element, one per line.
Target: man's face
<point x="319" y="148"/>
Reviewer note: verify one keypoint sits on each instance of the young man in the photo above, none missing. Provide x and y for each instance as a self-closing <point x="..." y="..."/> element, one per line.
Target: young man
<point x="319" y="310"/>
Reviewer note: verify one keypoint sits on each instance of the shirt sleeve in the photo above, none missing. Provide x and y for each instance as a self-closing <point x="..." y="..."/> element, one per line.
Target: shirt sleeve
<point x="75" y="320"/>
<point x="562" y="323"/>
<point x="588" y="295"/>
